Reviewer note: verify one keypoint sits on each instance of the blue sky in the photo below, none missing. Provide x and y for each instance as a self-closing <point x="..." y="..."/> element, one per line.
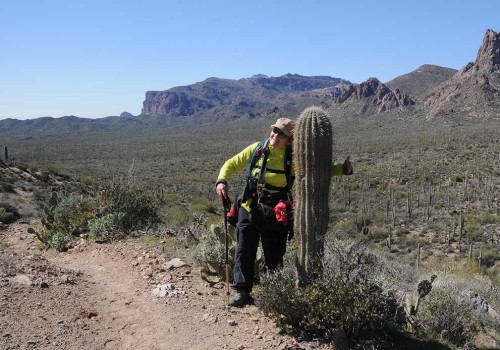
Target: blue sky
<point x="98" y="58"/>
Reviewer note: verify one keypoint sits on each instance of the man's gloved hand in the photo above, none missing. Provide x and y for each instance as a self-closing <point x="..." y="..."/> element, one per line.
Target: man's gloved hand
<point x="347" y="166"/>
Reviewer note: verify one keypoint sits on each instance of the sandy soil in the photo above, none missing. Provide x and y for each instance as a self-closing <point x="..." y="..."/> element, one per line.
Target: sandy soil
<point x="101" y="297"/>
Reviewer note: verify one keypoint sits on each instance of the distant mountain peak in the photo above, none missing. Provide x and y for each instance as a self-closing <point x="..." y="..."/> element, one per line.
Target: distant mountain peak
<point x="475" y="89"/>
<point x="428" y="68"/>
<point x="488" y="55"/>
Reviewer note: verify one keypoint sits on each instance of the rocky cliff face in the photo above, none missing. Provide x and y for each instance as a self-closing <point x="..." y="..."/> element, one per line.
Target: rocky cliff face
<point x="475" y="89"/>
<point x="251" y="95"/>
<point x="377" y="95"/>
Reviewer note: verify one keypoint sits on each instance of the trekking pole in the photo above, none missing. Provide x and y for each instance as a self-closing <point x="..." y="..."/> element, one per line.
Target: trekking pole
<point x="226" y="202"/>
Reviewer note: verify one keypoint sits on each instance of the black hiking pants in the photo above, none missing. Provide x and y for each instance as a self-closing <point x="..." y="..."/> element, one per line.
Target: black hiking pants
<point x="273" y="235"/>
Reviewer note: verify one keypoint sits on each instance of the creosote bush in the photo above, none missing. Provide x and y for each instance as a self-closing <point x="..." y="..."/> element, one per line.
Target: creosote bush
<point x="116" y="211"/>
<point x="331" y="302"/>
<point x="279" y="298"/>
<point x="105" y="228"/>
<point x="443" y="316"/>
<point x="135" y="208"/>
<point x="343" y="297"/>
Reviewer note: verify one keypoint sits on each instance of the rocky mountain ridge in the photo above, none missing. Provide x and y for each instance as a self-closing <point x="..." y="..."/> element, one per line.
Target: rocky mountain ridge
<point x="262" y="95"/>
<point x="474" y="91"/>
<point x="250" y="96"/>
<point x="431" y="91"/>
<point x="374" y="93"/>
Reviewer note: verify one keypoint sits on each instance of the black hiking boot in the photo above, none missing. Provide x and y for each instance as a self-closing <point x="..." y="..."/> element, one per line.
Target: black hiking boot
<point x="241" y="299"/>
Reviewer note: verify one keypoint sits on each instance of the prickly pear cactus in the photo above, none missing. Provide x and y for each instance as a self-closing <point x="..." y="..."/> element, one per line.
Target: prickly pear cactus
<point x="313" y="142"/>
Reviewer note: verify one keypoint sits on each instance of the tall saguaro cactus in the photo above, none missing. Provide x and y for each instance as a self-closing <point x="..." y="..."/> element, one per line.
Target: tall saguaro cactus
<point x="313" y="145"/>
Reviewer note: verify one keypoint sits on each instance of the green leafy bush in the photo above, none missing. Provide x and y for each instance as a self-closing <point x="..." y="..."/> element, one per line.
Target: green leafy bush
<point x="105" y="228"/>
<point x="58" y="240"/>
<point x="50" y="169"/>
<point x="73" y="212"/>
<point x="115" y="211"/>
<point x="138" y="207"/>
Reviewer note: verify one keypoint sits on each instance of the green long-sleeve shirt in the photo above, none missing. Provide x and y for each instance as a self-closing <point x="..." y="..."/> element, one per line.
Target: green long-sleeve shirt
<point x="275" y="167"/>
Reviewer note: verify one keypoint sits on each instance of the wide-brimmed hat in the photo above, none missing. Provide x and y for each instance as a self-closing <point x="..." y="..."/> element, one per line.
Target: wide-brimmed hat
<point x="285" y="125"/>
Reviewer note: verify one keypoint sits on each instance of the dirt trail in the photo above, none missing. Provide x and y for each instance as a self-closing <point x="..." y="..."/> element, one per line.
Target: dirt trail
<point x="100" y="297"/>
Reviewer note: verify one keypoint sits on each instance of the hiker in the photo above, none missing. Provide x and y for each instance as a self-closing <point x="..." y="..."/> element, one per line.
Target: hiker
<point x="265" y="206"/>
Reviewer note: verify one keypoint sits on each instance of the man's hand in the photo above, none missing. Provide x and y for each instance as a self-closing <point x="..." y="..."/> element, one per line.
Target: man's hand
<point x="221" y="190"/>
<point x="347" y="166"/>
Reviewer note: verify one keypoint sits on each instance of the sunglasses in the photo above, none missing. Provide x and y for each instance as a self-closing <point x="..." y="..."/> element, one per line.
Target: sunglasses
<point x="279" y="132"/>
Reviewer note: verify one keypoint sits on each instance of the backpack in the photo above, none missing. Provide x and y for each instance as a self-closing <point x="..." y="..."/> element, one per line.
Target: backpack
<point x="254" y="187"/>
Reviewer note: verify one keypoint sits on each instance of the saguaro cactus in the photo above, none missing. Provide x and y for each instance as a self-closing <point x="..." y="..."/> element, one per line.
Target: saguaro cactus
<point x="313" y="161"/>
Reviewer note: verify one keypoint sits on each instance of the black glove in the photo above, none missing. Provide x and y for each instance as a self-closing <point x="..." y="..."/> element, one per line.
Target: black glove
<point x="347" y="166"/>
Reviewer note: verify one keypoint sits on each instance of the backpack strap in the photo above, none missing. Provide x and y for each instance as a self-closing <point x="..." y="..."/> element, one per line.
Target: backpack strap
<point x="263" y="145"/>
<point x="262" y="176"/>
<point x="261" y="148"/>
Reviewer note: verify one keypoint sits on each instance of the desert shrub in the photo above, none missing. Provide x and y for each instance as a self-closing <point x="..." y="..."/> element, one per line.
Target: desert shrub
<point x="200" y="204"/>
<point x="58" y="240"/>
<point x="210" y="252"/>
<point x="489" y="218"/>
<point x="87" y="180"/>
<point x="359" y="307"/>
<point x="489" y="258"/>
<point x="473" y="227"/>
<point x="40" y="195"/>
<point x="105" y="228"/>
<point x="114" y="212"/>
<point x="50" y="169"/>
<point x="72" y="213"/>
<point x="139" y="207"/>
<point x="8" y="214"/>
<point x="279" y="298"/>
<point x="6" y="187"/>
<point x="344" y="297"/>
<point x="176" y="216"/>
<point x="444" y="316"/>
<point x="52" y="233"/>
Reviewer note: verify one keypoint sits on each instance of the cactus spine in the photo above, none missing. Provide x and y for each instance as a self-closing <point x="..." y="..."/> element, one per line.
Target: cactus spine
<point x="313" y="145"/>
